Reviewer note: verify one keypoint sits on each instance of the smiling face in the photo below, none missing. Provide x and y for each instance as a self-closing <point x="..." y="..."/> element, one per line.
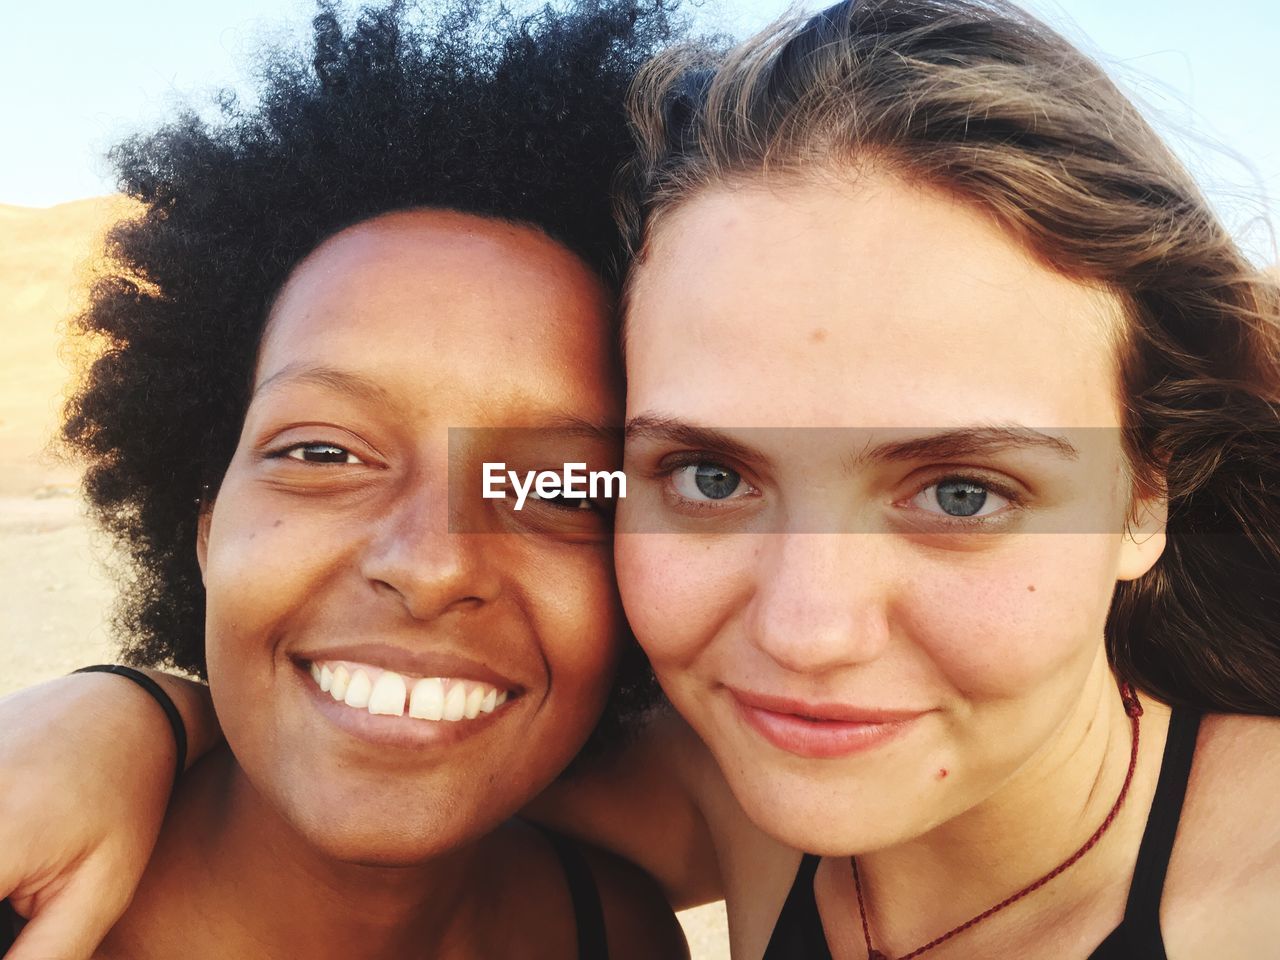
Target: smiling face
<point x="336" y="592"/>
<point x="875" y="624"/>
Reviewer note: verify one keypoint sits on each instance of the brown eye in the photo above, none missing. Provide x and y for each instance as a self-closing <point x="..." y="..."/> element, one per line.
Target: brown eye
<point x="321" y="453"/>
<point x="562" y="502"/>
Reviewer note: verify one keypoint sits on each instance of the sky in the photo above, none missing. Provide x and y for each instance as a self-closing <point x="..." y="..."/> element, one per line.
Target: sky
<point x="77" y="76"/>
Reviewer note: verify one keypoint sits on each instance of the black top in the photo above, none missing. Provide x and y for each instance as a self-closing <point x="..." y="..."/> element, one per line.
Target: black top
<point x="798" y="933"/>
<point x="588" y="915"/>
<point x="10" y="924"/>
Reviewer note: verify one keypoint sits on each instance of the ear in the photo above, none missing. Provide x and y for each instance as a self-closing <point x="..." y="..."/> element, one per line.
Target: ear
<point x="1144" y="536"/>
<point x="202" y="536"/>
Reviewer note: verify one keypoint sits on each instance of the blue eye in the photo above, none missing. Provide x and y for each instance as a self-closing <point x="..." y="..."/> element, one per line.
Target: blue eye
<point x="957" y="497"/>
<point x="960" y="498"/>
<point x="320" y="453"/>
<point x="707" y="480"/>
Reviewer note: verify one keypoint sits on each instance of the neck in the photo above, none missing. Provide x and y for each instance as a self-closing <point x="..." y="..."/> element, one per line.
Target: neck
<point x="1032" y="823"/>
<point x="247" y="876"/>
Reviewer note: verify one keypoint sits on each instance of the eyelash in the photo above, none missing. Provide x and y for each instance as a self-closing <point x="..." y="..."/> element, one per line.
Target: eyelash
<point x="566" y="505"/>
<point x="673" y="464"/>
<point x="1003" y="490"/>
<point x="285" y="453"/>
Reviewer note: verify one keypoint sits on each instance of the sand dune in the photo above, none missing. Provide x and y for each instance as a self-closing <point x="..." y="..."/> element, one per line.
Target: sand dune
<point x="53" y="593"/>
<point x="45" y="256"/>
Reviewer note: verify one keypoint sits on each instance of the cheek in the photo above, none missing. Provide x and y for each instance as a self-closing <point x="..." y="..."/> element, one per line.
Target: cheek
<point x="267" y="574"/>
<point x="1030" y="612"/>
<point x="678" y="590"/>
<point x="574" y="601"/>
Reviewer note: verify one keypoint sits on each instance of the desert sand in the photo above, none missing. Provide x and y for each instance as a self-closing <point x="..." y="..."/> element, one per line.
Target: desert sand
<point x="55" y="594"/>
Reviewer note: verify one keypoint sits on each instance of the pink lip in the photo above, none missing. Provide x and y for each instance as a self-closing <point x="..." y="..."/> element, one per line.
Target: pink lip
<point x="820" y="730"/>
<point x="413" y="663"/>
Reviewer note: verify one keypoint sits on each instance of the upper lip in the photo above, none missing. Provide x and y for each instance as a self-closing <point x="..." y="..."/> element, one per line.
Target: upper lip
<point x="823" y="710"/>
<point x="415" y="663"/>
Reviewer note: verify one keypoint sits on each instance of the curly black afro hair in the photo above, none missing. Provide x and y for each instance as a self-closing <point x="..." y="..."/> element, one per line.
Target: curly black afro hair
<point x="473" y="109"/>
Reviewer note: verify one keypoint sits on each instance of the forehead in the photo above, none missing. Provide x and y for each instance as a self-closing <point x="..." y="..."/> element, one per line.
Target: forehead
<point x="868" y="303"/>
<point x="432" y="299"/>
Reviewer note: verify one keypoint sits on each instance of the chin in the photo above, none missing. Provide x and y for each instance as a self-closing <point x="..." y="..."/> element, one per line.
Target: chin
<point x="398" y="829"/>
<point x="381" y="841"/>
<point x="825" y="810"/>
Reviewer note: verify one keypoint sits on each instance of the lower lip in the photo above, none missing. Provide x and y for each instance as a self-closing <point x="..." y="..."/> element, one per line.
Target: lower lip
<point x="820" y="739"/>
<point x="405" y="732"/>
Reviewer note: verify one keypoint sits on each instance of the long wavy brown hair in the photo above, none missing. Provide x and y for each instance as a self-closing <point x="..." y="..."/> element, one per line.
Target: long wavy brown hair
<point x="980" y="99"/>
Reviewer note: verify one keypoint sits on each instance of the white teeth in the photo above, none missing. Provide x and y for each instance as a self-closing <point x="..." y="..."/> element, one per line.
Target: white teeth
<point x="341" y="677"/>
<point x="387" y="698"/>
<point x="455" y="704"/>
<point x="475" y="696"/>
<point x="427" y="700"/>
<point x="359" y="690"/>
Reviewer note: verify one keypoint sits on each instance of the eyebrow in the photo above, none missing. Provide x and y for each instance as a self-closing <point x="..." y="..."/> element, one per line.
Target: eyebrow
<point x="972" y="442"/>
<point x="670" y="430"/>
<point x="331" y="378"/>
<point x="953" y="444"/>
<point x="363" y="388"/>
<point x="575" y="426"/>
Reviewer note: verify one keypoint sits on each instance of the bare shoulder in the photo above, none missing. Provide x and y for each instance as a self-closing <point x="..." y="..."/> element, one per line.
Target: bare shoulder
<point x="1237" y="773"/>
<point x="1224" y="878"/>
<point x="639" y="922"/>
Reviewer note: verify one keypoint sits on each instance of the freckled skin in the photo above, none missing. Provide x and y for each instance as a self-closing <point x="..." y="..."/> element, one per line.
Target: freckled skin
<point x="934" y="319"/>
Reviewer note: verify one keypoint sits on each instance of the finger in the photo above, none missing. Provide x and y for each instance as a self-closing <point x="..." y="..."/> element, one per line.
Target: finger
<point x="69" y="926"/>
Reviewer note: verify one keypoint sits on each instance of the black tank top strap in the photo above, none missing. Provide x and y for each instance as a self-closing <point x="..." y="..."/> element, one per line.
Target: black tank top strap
<point x="1138" y="935"/>
<point x="588" y="914"/>
<point x="798" y="932"/>
<point x="10" y="924"/>
<point x="1162" y="823"/>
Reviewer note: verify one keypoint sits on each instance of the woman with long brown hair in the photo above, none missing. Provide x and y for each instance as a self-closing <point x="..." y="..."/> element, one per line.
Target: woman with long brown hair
<point x="960" y="641"/>
<point x="986" y="665"/>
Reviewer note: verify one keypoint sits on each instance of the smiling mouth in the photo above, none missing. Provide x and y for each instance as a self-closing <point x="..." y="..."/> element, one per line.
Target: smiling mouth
<point x="379" y="692"/>
<point x="820" y="731"/>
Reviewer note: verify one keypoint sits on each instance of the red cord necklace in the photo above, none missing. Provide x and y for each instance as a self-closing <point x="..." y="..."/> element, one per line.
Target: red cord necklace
<point x="1134" y="709"/>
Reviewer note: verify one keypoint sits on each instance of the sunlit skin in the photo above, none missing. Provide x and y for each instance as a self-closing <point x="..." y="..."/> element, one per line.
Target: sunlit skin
<point x="331" y="529"/>
<point x="910" y="315"/>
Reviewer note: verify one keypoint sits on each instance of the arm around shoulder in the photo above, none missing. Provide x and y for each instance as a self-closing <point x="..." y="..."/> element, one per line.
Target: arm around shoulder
<point x="87" y="764"/>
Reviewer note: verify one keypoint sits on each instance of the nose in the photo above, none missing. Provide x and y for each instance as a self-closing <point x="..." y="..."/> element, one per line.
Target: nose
<point x="413" y="555"/>
<point x="821" y="601"/>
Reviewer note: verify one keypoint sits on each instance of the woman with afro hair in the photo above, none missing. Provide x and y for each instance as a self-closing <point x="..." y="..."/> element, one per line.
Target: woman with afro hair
<point x="407" y="232"/>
